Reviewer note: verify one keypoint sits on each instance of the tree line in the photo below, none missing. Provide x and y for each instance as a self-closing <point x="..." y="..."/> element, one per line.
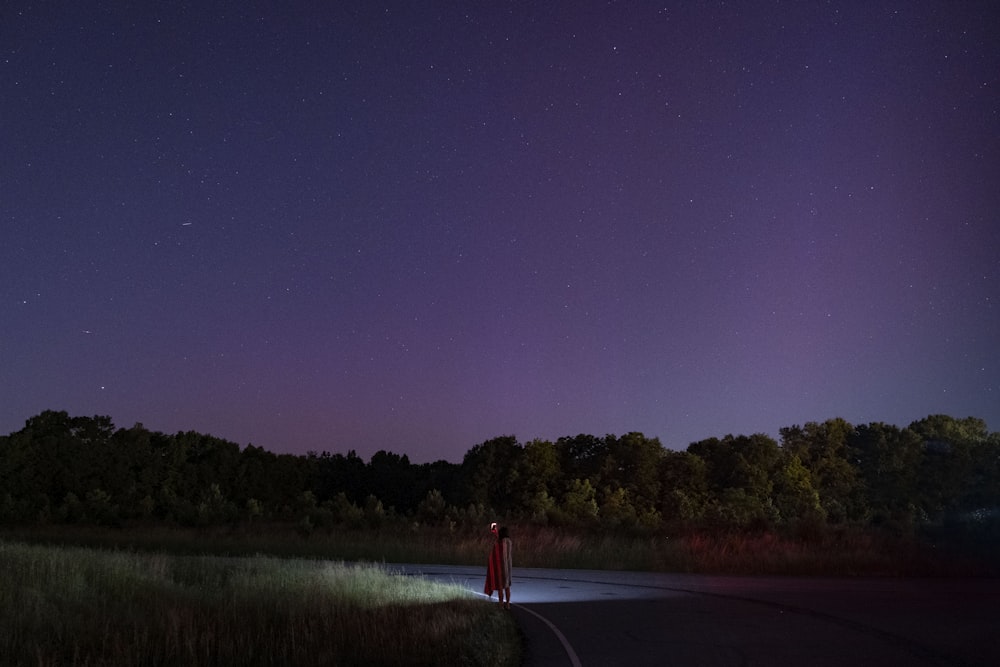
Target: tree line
<point x="63" y="469"/>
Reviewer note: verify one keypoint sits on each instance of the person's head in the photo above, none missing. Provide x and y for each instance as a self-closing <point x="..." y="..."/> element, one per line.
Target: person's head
<point x="503" y="533"/>
<point x="493" y="527"/>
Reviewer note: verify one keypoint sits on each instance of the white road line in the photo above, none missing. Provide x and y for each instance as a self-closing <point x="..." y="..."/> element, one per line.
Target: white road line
<point x="573" y="658"/>
<point x="570" y="653"/>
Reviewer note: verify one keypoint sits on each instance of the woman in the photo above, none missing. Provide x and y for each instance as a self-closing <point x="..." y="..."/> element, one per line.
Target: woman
<point x="498" y="566"/>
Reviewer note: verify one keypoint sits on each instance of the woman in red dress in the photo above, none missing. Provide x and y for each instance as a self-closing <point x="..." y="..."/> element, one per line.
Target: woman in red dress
<point x="498" y="566"/>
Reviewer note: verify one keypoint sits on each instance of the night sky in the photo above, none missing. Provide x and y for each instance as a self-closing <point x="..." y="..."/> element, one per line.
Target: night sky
<point x="418" y="226"/>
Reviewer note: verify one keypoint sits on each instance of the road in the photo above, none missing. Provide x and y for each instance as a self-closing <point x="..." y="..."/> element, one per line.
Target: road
<point x="582" y="617"/>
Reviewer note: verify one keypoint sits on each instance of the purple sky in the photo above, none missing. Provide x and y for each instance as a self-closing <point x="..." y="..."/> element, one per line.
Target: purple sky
<point x="312" y="227"/>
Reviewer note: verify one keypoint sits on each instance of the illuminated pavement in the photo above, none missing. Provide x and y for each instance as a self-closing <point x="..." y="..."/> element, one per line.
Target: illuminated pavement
<point x="625" y="618"/>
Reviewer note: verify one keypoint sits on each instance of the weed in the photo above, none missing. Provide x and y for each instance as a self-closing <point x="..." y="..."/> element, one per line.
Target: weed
<point x="75" y="605"/>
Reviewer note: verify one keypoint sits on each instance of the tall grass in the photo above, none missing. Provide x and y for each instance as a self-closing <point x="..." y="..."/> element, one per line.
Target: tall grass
<point x="82" y="606"/>
<point x="828" y="552"/>
<point x="846" y="554"/>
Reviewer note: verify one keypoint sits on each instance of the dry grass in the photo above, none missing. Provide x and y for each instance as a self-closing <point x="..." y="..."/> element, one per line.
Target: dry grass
<point x="828" y="552"/>
<point x="835" y="553"/>
<point x="80" y="606"/>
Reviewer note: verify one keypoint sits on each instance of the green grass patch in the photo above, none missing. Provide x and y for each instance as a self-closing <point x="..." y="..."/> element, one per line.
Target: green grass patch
<point x="84" y="606"/>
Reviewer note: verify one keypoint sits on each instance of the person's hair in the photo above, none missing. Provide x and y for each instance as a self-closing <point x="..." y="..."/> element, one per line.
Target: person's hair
<point x="503" y="533"/>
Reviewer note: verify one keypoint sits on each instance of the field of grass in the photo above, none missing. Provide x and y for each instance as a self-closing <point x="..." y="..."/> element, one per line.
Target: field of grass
<point x="844" y="552"/>
<point x="67" y="605"/>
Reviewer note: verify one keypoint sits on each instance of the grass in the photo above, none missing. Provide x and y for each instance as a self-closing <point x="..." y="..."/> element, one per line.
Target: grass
<point x="849" y="554"/>
<point x="828" y="552"/>
<point x="82" y="606"/>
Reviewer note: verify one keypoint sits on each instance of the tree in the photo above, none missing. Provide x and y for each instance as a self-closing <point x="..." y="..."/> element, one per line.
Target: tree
<point x="795" y="498"/>
<point x="579" y="502"/>
<point x="491" y="474"/>
<point x="740" y="472"/>
<point x="632" y="463"/>
<point x="339" y="473"/>
<point x="739" y="462"/>
<point x="582" y="457"/>
<point x="616" y="508"/>
<point x="133" y="472"/>
<point x="823" y="450"/>
<point x="684" y="488"/>
<point x="540" y="477"/>
<point x="52" y="456"/>
<point x="392" y="479"/>
<point x="255" y="480"/>
<point x="888" y="460"/>
<point x="958" y="457"/>
<point x="432" y="509"/>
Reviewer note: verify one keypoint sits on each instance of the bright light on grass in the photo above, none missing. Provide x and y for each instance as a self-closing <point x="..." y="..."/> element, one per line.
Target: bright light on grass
<point x="86" y="606"/>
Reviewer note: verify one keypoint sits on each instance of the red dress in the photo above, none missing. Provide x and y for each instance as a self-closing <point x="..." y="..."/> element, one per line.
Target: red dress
<point x="498" y="567"/>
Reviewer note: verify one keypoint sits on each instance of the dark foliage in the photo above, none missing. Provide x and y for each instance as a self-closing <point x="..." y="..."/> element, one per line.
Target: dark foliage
<point x="939" y="475"/>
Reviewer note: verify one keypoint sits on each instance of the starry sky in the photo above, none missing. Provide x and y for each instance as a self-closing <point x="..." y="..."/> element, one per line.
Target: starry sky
<point x="315" y="226"/>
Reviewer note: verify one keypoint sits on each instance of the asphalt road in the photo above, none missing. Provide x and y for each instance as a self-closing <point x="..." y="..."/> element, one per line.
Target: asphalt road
<point x="582" y="617"/>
